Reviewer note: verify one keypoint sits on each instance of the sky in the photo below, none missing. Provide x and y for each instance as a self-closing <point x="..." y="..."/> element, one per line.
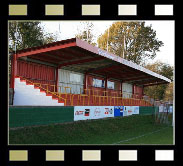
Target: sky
<point x="164" y="32"/>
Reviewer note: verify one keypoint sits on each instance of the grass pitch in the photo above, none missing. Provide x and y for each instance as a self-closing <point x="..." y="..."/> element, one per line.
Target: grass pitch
<point x="135" y="129"/>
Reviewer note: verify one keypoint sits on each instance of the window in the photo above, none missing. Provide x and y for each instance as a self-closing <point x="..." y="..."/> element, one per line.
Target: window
<point x="98" y="83"/>
<point x="110" y="85"/>
<point x="75" y="77"/>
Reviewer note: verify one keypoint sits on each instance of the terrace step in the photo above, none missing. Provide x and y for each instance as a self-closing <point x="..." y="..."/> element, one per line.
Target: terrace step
<point x="28" y="94"/>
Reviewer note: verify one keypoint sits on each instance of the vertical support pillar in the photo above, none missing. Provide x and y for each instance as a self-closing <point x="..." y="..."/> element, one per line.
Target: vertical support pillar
<point x="133" y="96"/>
<point x="85" y="82"/>
<point x="142" y="91"/>
<point x="11" y="78"/>
<point x="106" y="79"/>
<point x="121" y="88"/>
<point x="56" y="81"/>
<point x="133" y="90"/>
<point x="14" y="70"/>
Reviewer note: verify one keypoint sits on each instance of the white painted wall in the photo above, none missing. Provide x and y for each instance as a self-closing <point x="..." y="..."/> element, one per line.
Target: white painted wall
<point x="27" y="95"/>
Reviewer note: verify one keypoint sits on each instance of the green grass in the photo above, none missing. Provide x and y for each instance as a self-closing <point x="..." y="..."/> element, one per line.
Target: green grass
<point x="103" y="131"/>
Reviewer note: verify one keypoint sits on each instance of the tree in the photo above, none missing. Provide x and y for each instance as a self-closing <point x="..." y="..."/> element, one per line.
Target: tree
<point x="169" y="92"/>
<point x="131" y="40"/>
<point x="159" y="91"/>
<point x="27" y="34"/>
<point x="86" y="33"/>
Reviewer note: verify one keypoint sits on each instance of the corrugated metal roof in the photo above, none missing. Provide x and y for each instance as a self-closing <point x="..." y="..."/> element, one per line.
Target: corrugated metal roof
<point x="76" y="54"/>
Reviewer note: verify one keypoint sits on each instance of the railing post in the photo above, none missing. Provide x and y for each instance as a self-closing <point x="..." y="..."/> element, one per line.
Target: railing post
<point x="54" y="88"/>
<point x="47" y="89"/>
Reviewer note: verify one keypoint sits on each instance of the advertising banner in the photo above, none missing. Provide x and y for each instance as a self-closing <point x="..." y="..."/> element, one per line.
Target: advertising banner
<point x="165" y="109"/>
<point x="130" y="110"/>
<point x="171" y="109"/>
<point x="108" y="111"/>
<point x="161" y="108"/>
<point x="92" y="112"/>
<point x="127" y="110"/>
<point x="135" y="110"/>
<point x="82" y="112"/>
<point x="118" y="110"/>
<point x="98" y="112"/>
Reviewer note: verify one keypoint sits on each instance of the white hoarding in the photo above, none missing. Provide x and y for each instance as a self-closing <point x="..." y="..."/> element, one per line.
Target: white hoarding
<point x="161" y="108"/>
<point x="92" y="112"/>
<point x="127" y="110"/>
<point x="82" y="112"/>
<point x="135" y="110"/>
<point x="171" y="109"/>
<point x="102" y="112"/>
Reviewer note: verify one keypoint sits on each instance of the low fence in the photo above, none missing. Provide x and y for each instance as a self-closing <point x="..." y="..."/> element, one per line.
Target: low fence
<point x="21" y="116"/>
<point x="11" y="96"/>
<point x="148" y="110"/>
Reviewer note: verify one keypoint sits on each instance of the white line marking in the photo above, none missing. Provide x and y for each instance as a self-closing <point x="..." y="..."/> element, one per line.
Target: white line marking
<point x="139" y="136"/>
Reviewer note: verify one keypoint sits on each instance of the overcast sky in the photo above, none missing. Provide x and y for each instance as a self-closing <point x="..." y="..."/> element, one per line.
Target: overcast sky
<point x="164" y="32"/>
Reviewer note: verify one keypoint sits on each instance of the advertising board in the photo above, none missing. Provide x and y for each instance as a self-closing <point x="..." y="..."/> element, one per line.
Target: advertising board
<point x="161" y="108"/>
<point x="92" y="112"/>
<point x="171" y="109"/>
<point x="135" y="110"/>
<point x="127" y="110"/>
<point x="82" y="112"/>
<point x="118" y="110"/>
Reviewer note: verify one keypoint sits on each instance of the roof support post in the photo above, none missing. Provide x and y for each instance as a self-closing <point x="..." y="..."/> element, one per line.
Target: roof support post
<point x="121" y="88"/>
<point x="56" y="82"/>
<point x="142" y="90"/>
<point x="14" y="71"/>
<point x="85" y="81"/>
<point x="106" y="79"/>
<point x="11" y="78"/>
